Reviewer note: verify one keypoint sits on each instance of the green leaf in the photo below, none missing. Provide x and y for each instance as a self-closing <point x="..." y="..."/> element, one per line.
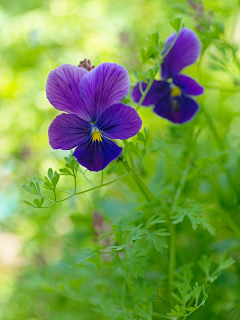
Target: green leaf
<point x="142" y="78"/>
<point x="151" y="74"/>
<point x="65" y="171"/>
<point x="155" y="219"/>
<point x="158" y="243"/>
<point x="135" y="262"/>
<point x="177" y="298"/>
<point x="38" y="189"/>
<point x="224" y="262"/>
<point x="115" y="248"/>
<point x="55" y="179"/>
<point x="27" y="188"/>
<point x="136" y="233"/>
<point x="194" y="212"/>
<point x="205" y="264"/>
<point x="176" y="24"/>
<point x="29" y="204"/>
<point x="86" y="256"/>
<point x="50" y="173"/>
<point x="37" y="203"/>
<point x="179" y="311"/>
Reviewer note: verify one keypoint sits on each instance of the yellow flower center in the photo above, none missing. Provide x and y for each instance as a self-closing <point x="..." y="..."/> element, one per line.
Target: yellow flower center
<point x="176" y="91"/>
<point x="96" y="135"/>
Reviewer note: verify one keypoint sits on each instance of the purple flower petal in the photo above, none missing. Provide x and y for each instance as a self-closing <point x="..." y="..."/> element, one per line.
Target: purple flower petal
<point x="68" y="131"/>
<point x="188" y="85"/>
<point x="95" y="156"/>
<point x="104" y="86"/>
<point x="119" y="122"/>
<point x="178" y="110"/>
<point x="185" y="52"/>
<point x="62" y="90"/>
<point x="158" y="91"/>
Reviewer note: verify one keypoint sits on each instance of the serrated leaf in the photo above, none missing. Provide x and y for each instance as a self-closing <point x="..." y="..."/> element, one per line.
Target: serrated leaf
<point x="179" y="311"/>
<point x="154" y="220"/>
<point x="136" y="233"/>
<point x="157" y="242"/>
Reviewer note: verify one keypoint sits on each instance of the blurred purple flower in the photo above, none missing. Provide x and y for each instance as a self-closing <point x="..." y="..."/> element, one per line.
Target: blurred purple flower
<point x="96" y="115"/>
<point x="171" y="96"/>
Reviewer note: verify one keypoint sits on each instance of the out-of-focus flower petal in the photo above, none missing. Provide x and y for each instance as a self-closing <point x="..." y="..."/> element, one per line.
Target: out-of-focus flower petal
<point x="178" y="110"/>
<point x="68" y="131"/>
<point x="184" y="52"/>
<point x="95" y="156"/>
<point x="62" y="90"/>
<point x="188" y="85"/>
<point x="119" y="122"/>
<point x="105" y="85"/>
<point x="158" y="91"/>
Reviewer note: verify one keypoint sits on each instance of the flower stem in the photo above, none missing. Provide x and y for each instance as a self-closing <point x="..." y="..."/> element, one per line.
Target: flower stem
<point x="213" y="130"/>
<point x="145" y="93"/>
<point x="147" y="193"/>
<point x="172" y="249"/>
<point x="172" y="259"/>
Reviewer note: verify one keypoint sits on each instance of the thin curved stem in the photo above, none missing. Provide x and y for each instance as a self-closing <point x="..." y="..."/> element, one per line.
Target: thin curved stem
<point x="87" y="190"/>
<point x="145" y="93"/>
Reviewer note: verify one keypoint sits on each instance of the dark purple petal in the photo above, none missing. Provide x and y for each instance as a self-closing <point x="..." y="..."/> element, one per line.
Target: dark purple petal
<point x="158" y="91"/>
<point x="185" y="52"/>
<point x="68" y="131"/>
<point x="62" y="90"/>
<point x="188" y="85"/>
<point x="104" y="86"/>
<point x="119" y="122"/>
<point x="178" y="110"/>
<point x="95" y="156"/>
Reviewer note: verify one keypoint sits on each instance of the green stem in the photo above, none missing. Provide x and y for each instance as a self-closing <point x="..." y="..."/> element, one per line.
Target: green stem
<point x="172" y="259"/>
<point x="88" y="190"/>
<point x="147" y="193"/>
<point x="171" y="46"/>
<point x="145" y="93"/>
<point x="172" y="249"/>
<point x="213" y="130"/>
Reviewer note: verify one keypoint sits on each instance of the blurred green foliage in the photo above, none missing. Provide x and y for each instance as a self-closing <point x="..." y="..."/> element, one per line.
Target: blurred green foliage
<point x="51" y="268"/>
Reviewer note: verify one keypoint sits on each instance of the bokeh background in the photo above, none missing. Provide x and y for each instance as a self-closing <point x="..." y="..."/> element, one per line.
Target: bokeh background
<point x="37" y="36"/>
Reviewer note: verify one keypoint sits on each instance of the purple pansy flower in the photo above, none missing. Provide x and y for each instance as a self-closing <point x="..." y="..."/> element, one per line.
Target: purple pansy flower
<point x="172" y="95"/>
<point x="95" y="114"/>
